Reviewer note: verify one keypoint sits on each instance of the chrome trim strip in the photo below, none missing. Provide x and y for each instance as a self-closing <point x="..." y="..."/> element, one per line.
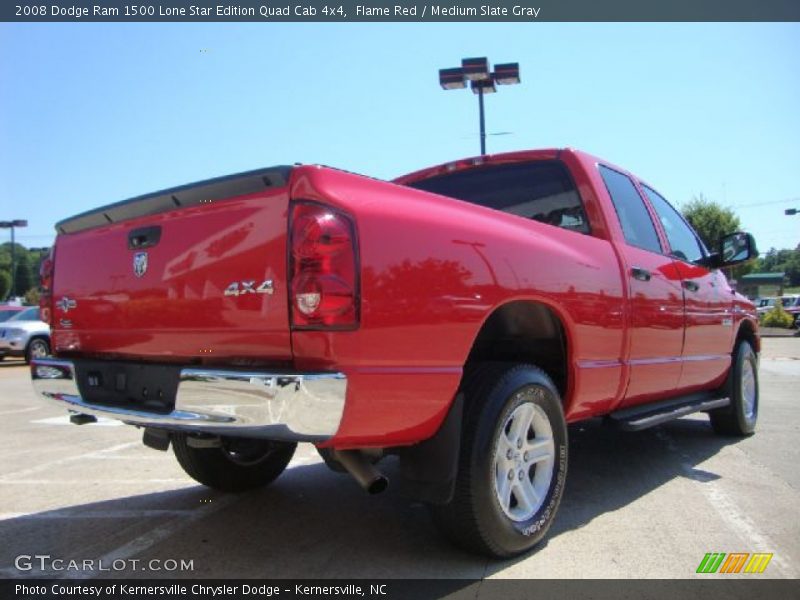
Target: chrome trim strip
<point x="289" y="406"/>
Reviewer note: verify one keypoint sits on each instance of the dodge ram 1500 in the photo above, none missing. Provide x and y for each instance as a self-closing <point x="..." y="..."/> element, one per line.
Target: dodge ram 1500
<point x="458" y="317"/>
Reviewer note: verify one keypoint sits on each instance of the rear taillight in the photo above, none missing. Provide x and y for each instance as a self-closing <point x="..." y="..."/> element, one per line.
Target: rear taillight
<point x="323" y="268"/>
<point x="46" y="284"/>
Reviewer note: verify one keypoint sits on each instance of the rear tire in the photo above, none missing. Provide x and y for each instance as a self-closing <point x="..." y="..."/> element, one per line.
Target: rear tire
<point x="512" y="464"/>
<point x="740" y="416"/>
<point x="238" y="465"/>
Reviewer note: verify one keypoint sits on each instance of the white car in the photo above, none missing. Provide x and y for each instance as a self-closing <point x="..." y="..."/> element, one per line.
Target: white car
<point x="26" y="335"/>
<point x="764" y="305"/>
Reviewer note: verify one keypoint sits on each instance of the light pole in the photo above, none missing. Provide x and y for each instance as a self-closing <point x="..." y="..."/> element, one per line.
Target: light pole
<point x="11" y="225"/>
<point x="481" y="81"/>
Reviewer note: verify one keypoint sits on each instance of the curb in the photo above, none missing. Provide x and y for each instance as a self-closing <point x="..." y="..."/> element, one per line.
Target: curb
<point x="774" y="332"/>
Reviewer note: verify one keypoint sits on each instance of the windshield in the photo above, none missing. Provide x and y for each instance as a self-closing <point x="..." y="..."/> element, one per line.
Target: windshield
<point x="29" y="314"/>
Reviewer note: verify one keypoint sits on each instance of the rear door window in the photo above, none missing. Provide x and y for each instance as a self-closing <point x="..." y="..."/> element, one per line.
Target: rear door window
<point x="541" y="190"/>
<point x="637" y="226"/>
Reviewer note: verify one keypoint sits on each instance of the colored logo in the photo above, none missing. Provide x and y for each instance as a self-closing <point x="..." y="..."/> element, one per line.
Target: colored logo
<point x="735" y="562"/>
<point x="66" y="304"/>
<point x="140" y="263"/>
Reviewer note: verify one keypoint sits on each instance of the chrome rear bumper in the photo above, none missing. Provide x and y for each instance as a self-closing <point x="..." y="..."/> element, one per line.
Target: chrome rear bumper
<point x="284" y="406"/>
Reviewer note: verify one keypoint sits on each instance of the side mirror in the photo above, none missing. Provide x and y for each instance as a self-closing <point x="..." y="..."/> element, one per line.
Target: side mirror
<point x="733" y="249"/>
<point x="736" y="248"/>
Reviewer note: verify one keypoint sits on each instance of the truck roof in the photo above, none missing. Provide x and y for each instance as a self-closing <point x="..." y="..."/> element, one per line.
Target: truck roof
<point x="510" y="157"/>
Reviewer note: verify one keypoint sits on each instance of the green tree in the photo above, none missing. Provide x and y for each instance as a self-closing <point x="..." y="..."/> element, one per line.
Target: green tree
<point x="5" y="284"/>
<point x="777" y="317"/>
<point x="24" y="279"/>
<point x="710" y="220"/>
<point x="27" y="262"/>
<point x="32" y="296"/>
<point x="782" y="261"/>
<point x="792" y="269"/>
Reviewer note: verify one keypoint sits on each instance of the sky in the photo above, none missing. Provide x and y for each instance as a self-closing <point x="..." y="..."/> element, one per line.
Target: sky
<point x="95" y="113"/>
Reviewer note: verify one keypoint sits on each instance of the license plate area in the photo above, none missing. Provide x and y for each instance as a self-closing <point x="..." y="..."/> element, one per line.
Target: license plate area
<point x="137" y="386"/>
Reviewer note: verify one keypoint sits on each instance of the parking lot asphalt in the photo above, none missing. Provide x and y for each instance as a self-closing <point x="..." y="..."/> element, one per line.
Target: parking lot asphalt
<point x="637" y="505"/>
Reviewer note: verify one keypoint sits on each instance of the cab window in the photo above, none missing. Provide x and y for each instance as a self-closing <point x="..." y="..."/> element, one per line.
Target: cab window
<point x="683" y="242"/>
<point x="541" y="190"/>
<point x="632" y="213"/>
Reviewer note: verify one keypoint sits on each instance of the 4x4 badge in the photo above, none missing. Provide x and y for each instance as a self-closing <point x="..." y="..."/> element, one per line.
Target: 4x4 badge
<point x="237" y="288"/>
<point x="140" y="263"/>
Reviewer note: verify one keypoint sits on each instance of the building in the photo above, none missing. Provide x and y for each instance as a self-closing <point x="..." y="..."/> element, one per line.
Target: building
<point x="758" y="285"/>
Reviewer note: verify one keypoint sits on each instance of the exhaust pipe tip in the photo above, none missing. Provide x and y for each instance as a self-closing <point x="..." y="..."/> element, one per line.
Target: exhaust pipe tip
<point x="378" y="485"/>
<point x="367" y="476"/>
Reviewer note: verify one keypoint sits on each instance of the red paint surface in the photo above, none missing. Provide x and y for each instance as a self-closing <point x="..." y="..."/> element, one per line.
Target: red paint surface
<point x="432" y="270"/>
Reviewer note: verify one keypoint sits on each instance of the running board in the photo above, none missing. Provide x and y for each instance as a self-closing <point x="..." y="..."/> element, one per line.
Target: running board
<point x="644" y="416"/>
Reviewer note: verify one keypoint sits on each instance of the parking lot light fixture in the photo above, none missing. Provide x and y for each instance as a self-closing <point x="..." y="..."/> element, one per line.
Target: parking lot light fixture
<point x="506" y="74"/>
<point x="483" y="87"/>
<point x="452" y="79"/>
<point x="476" y="69"/>
<point x="481" y="81"/>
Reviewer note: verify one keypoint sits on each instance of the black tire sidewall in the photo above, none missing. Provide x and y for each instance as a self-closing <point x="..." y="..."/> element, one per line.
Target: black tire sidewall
<point x="524" y="385"/>
<point x="744" y="353"/>
<point x="213" y="468"/>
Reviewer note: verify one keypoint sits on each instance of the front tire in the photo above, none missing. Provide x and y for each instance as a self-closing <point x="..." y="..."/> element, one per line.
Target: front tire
<point x="236" y="465"/>
<point x="512" y="464"/>
<point x="740" y="416"/>
<point x="37" y="348"/>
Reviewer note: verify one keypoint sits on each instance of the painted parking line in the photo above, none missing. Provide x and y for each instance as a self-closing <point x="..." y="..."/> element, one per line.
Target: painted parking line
<point x="66" y="460"/>
<point x="19" y="411"/>
<point x="140" y="544"/>
<point x="146" y="513"/>
<point x="104" y="481"/>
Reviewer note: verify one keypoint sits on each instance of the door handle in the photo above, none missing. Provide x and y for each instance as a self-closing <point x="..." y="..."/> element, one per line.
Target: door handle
<point x="640" y="273"/>
<point x="144" y="237"/>
<point x="690" y="285"/>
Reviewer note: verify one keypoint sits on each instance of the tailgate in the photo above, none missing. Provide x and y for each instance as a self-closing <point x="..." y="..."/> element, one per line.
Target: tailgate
<point x="197" y="272"/>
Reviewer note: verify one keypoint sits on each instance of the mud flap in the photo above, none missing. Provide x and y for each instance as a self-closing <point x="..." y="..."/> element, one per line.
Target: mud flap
<point x="429" y="468"/>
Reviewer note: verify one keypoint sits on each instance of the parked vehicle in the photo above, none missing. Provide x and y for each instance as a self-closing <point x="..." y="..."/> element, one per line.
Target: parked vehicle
<point x="25" y="334"/>
<point x="791" y="304"/>
<point x="765" y="304"/>
<point x="458" y="317"/>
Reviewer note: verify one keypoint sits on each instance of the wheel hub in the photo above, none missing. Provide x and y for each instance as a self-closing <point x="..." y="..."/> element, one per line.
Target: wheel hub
<point x="524" y="460"/>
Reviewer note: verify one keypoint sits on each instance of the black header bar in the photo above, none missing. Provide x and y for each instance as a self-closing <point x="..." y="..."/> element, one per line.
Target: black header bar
<point x="722" y="587"/>
<point x="399" y="10"/>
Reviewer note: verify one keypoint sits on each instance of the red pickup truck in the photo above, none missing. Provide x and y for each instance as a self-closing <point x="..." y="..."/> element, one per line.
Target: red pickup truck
<point x="458" y="317"/>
